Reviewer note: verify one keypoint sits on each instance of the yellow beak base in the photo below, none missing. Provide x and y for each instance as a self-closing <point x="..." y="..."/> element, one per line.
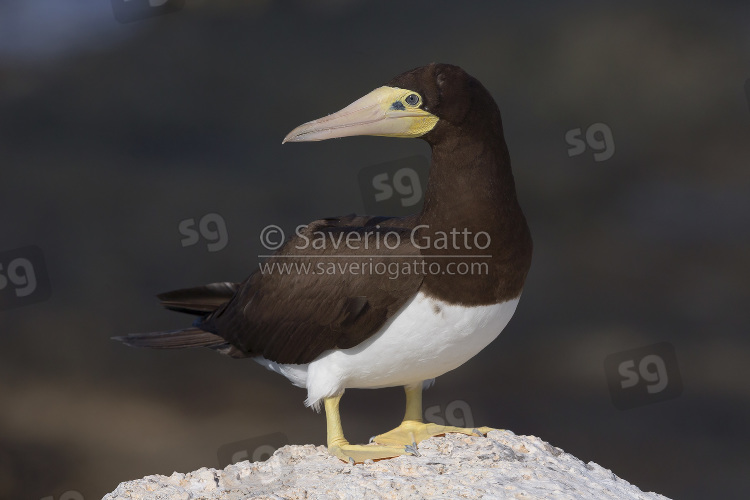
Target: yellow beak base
<point x="384" y="111"/>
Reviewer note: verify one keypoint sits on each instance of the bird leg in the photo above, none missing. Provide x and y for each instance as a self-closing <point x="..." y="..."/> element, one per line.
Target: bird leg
<point x="413" y="429"/>
<point x="339" y="447"/>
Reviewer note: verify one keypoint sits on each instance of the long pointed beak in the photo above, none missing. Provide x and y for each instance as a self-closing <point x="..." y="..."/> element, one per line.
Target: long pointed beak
<point x="381" y="112"/>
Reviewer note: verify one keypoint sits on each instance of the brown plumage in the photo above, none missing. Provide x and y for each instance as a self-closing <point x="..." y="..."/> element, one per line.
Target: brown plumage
<point x="295" y="317"/>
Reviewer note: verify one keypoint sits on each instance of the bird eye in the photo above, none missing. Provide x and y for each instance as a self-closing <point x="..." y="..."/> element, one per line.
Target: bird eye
<point x="412" y="99"/>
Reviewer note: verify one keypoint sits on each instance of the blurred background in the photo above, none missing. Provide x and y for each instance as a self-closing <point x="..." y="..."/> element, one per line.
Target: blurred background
<point x="140" y="152"/>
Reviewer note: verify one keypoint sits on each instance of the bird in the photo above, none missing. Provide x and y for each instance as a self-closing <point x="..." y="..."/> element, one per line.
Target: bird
<point x="462" y="262"/>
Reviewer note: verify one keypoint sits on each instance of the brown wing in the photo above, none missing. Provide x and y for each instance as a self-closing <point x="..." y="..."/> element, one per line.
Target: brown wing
<point x="332" y="286"/>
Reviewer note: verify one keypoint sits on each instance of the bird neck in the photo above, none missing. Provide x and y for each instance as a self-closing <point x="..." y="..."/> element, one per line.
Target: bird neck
<point x="471" y="216"/>
<point x="471" y="183"/>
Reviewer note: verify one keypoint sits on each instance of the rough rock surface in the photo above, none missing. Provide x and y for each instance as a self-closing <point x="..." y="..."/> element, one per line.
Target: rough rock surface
<point x="502" y="465"/>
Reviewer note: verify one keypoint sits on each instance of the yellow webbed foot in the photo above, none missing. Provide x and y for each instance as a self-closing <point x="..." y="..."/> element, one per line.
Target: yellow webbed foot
<point x="339" y="447"/>
<point x="412" y="432"/>
<point x="357" y="453"/>
<point x="400" y="441"/>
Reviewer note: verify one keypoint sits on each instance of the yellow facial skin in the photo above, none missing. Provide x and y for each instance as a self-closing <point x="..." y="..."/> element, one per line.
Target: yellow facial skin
<point x="386" y="111"/>
<point x="419" y="121"/>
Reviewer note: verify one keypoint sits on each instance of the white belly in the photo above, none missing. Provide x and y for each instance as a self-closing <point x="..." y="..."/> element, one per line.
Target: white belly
<point x="425" y="339"/>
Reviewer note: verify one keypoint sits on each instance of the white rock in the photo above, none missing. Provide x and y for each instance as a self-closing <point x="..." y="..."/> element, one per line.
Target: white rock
<point x="502" y="465"/>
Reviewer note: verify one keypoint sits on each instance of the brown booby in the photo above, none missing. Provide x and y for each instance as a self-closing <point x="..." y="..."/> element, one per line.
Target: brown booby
<point x="467" y="255"/>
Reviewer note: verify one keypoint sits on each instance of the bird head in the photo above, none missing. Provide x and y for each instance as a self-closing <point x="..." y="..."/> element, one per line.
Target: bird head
<point x="412" y="104"/>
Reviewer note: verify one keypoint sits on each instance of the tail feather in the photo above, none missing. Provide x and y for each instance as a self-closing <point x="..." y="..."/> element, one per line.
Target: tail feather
<point x="175" y="339"/>
<point x="202" y="301"/>
<point x="199" y="300"/>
